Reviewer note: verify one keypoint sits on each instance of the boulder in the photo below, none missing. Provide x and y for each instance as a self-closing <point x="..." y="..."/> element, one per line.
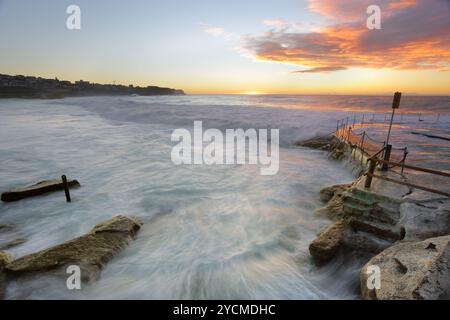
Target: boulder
<point x="421" y="222"/>
<point x="321" y="143"/>
<point x="90" y="252"/>
<point x="326" y="194"/>
<point x="4" y="260"/>
<point x="12" y="243"/>
<point x="37" y="189"/>
<point x="6" y="227"/>
<point x="327" y="244"/>
<point x="411" y="271"/>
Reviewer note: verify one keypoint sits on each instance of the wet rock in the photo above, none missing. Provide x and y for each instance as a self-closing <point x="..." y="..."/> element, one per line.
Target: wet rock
<point x="11" y="244"/>
<point x="326" y="194"/>
<point x="90" y="252"/>
<point x="424" y="221"/>
<point x="4" y="260"/>
<point x="321" y="143"/>
<point x="327" y="244"/>
<point x="37" y="189"/>
<point x="411" y="271"/>
<point x="365" y="244"/>
<point x="381" y="231"/>
<point x="6" y="227"/>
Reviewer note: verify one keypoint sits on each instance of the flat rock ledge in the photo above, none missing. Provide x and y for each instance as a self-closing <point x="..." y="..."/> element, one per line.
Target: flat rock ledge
<point x="37" y="189"/>
<point x="410" y="271"/>
<point x="5" y="258"/>
<point x="326" y="245"/>
<point x="90" y="252"/>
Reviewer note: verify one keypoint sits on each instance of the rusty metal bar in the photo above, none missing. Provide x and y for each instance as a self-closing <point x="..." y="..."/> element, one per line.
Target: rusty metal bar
<point x="439" y="173"/>
<point x="371" y="175"/>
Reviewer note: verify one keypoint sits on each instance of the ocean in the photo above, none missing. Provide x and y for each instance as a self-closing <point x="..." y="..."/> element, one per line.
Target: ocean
<point x="211" y="232"/>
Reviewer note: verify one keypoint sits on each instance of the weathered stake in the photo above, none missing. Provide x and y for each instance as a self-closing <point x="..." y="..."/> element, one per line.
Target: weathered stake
<point x="387" y="157"/>
<point x="66" y="188"/>
<point x="369" y="176"/>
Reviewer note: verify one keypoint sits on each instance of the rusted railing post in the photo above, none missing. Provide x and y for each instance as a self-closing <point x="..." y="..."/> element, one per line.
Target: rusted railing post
<point x="66" y="188"/>
<point x="369" y="175"/>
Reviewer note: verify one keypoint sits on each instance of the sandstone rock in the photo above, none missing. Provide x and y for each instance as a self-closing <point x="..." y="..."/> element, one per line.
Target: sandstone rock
<point x="11" y="244"/>
<point x="37" y="189"/>
<point x="423" y="221"/>
<point x="4" y="260"/>
<point x="326" y="194"/>
<point x="321" y="143"/>
<point x="411" y="270"/>
<point x="90" y="252"/>
<point x="365" y="244"/>
<point x="6" y="227"/>
<point x="327" y="244"/>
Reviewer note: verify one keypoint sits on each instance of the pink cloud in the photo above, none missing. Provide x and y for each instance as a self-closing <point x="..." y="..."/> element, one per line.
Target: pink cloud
<point x="414" y="35"/>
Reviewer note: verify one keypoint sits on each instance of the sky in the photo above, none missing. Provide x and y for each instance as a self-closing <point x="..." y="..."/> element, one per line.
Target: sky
<point x="234" y="46"/>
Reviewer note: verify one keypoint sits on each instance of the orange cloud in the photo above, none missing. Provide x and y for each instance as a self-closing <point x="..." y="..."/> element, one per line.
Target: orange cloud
<point x="414" y="35"/>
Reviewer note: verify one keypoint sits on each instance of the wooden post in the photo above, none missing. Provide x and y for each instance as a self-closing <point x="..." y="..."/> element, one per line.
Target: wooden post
<point x="371" y="171"/>
<point x="66" y="188"/>
<point x="387" y="157"/>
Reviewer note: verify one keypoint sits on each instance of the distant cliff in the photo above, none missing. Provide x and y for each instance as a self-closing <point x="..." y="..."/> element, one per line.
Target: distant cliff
<point x="40" y="88"/>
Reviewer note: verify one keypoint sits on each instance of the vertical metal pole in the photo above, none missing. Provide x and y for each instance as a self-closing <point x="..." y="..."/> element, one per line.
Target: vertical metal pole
<point x="362" y="148"/>
<point x="66" y="188"/>
<point x="395" y="105"/>
<point x="363" y="118"/>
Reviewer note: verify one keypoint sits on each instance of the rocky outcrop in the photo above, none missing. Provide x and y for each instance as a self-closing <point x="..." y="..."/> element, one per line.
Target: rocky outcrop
<point x="334" y="204"/>
<point x="322" y="143"/>
<point x="4" y="260"/>
<point x="423" y="221"/>
<point x="327" y="244"/>
<point x="410" y="270"/>
<point x="37" y="189"/>
<point x="90" y="252"/>
<point x="327" y="194"/>
<point x="12" y="243"/>
<point x="371" y="223"/>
